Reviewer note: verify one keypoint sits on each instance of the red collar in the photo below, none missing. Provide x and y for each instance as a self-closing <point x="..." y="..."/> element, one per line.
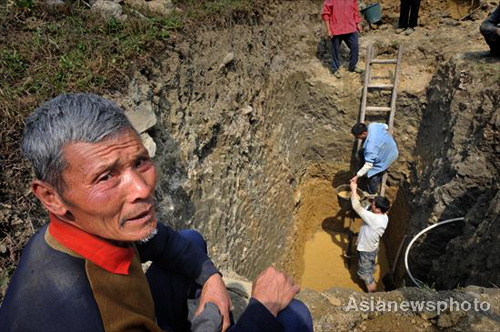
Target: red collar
<point x="110" y="257"/>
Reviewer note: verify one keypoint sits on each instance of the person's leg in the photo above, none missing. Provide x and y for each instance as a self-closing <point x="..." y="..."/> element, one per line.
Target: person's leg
<point x="404" y="13"/>
<point x="335" y="53"/>
<point x="366" y="268"/>
<point x="414" y="8"/>
<point x="170" y="295"/>
<point x="296" y="317"/>
<point x="351" y="41"/>
<point x="495" y="48"/>
<point x="195" y="238"/>
<point x="374" y="183"/>
<point x="171" y="291"/>
<point x="493" y="42"/>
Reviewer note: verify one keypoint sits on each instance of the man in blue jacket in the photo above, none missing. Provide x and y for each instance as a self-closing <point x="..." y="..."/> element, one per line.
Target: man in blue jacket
<point x="82" y="271"/>
<point x="379" y="152"/>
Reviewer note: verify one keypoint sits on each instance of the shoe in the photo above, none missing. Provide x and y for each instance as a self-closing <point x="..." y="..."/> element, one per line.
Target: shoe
<point x="336" y="74"/>
<point x="399" y="30"/>
<point x="409" y="31"/>
<point x="356" y="70"/>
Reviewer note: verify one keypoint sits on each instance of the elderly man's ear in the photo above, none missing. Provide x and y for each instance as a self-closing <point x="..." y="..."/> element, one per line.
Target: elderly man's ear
<point x="51" y="199"/>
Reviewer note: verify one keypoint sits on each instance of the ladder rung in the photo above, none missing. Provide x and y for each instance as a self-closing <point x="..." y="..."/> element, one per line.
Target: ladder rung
<point x="381" y="86"/>
<point x="378" y="109"/>
<point x="384" y="61"/>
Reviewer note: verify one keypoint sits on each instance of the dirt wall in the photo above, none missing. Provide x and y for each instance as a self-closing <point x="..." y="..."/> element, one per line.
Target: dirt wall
<point x="457" y="175"/>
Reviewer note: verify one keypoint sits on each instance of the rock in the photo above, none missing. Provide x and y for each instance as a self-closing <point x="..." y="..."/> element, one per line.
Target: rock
<point x="239" y="291"/>
<point x="474" y="290"/>
<point x="107" y="9"/>
<point x="444" y="321"/>
<point x="333" y="300"/>
<point x="248" y="110"/>
<point x="3" y="249"/>
<point x="143" y="118"/>
<point x="227" y="60"/>
<point x="239" y="287"/>
<point x="149" y="144"/>
<point x="55" y="2"/>
<point x="428" y="315"/>
<point x="17" y="221"/>
<point x="92" y="2"/>
<point x="450" y="319"/>
<point x="492" y="292"/>
<point x="450" y="22"/>
<point x="163" y="7"/>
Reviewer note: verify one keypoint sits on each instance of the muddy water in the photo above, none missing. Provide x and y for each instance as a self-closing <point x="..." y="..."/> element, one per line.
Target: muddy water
<point x="320" y="263"/>
<point x="324" y="263"/>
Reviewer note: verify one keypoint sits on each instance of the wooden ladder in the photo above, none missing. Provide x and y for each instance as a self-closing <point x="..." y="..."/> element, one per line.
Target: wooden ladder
<point x="367" y="86"/>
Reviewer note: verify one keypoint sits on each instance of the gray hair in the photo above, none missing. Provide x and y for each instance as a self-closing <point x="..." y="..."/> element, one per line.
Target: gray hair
<point x="68" y="118"/>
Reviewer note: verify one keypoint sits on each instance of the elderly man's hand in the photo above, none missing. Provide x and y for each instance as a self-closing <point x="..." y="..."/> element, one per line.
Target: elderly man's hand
<point x="274" y="290"/>
<point x="214" y="290"/>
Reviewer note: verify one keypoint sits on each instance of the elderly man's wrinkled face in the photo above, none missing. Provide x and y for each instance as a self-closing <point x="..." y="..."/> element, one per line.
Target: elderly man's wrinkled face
<point x="110" y="186"/>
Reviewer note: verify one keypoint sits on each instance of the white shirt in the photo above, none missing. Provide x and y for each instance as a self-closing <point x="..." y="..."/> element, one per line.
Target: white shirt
<point x="372" y="229"/>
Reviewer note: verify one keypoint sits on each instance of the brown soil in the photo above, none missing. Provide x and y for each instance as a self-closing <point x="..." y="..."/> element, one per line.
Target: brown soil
<point x="322" y="241"/>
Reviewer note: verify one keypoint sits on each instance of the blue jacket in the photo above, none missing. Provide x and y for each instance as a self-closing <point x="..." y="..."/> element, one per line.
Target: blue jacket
<point x="379" y="148"/>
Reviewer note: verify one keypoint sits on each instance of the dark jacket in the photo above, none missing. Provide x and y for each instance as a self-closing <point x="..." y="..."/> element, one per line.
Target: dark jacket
<point x="55" y="289"/>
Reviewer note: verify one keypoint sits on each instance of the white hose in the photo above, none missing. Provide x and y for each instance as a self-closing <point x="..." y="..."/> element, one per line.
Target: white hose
<point x="415" y="281"/>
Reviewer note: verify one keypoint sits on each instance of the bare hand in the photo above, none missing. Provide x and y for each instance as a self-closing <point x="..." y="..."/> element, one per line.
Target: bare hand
<point x="274" y="290"/>
<point x="354" y="179"/>
<point x="353" y="186"/>
<point x="360" y="29"/>
<point x="214" y="290"/>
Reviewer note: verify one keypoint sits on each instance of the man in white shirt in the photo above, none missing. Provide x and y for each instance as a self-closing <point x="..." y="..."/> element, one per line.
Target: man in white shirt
<point x="372" y="229"/>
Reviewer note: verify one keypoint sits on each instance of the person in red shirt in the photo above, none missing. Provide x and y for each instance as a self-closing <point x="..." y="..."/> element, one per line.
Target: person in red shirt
<point x="342" y="22"/>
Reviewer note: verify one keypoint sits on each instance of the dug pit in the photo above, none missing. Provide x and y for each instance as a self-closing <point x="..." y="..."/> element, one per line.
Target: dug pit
<point x="324" y="261"/>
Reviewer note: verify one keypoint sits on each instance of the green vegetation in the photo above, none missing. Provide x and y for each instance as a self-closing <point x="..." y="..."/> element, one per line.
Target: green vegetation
<point x="202" y="9"/>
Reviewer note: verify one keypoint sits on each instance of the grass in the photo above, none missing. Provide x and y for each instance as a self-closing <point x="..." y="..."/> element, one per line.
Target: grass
<point x="203" y="9"/>
<point x="46" y="51"/>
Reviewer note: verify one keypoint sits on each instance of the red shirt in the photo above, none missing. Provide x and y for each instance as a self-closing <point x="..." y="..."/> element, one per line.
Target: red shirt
<point x="342" y="16"/>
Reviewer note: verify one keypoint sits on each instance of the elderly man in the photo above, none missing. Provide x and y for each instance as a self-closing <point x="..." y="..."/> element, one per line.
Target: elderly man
<point x="379" y="152"/>
<point x="82" y="271"/>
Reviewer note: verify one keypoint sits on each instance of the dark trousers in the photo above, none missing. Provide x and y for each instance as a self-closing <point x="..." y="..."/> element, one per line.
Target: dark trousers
<point x="374" y="183"/>
<point x="409" y="8"/>
<point x="494" y="43"/>
<point x="171" y="291"/>
<point x="351" y="40"/>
